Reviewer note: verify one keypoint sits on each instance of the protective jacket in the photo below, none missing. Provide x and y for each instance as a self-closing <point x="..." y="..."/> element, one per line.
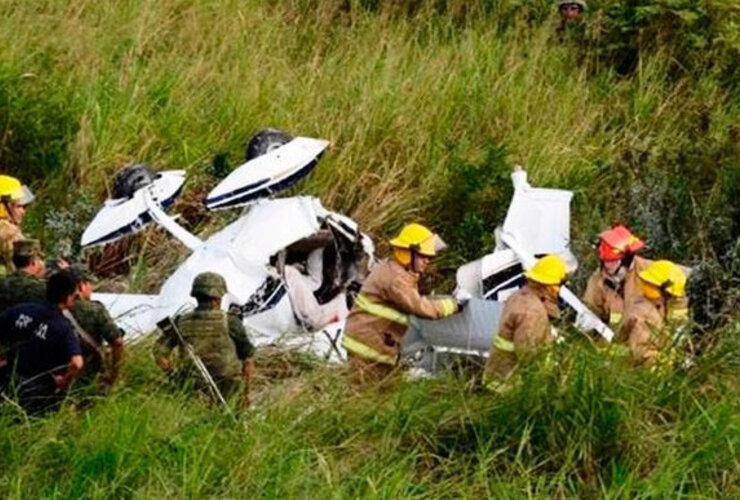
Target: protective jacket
<point x="9" y="233"/>
<point x="524" y="326"/>
<point x="379" y="317"/>
<point x="644" y="330"/>
<point x="609" y="298"/>
<point x="606" y="296"/>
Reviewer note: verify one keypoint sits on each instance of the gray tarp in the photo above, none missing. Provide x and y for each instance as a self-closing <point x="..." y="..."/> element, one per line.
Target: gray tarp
<point x="471" y="330"/>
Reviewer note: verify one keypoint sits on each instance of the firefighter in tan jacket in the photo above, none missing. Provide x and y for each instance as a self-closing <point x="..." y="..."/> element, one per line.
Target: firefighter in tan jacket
<point x="662" y="285"/>
<point x="379" y="317"/>
<point x="525" y="319"/>
<point x="14" y="197"/>
<point x="616" y="282"/>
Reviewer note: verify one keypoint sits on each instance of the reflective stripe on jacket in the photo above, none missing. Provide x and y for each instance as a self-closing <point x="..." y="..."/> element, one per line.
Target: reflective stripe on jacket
<point x="524" y="326"/>
<point x="643" y="329"/>
<point x="607" y="299"/>
<point x="378" y="320"/>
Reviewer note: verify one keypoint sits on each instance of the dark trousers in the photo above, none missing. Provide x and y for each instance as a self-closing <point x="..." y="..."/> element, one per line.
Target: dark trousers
<point x="39" y="395"/>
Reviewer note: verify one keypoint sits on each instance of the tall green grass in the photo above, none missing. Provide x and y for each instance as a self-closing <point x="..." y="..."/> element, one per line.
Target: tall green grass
<point x="592" y="426"/>
<point x="429" y="105"/>
<point x="406" y="91"/>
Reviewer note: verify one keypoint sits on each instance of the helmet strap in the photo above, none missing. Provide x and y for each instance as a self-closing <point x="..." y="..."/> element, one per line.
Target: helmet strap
<point x="664" y="288"/>
<point x="6" y="200"/>
<point x="414" y="248"/>
<point x="627" y="260"/>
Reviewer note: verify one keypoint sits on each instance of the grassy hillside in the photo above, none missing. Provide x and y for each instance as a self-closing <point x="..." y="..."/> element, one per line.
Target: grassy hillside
<point x="425" y="103"/>
<point x="591" y="427"/>
<point x="428" y="105"/>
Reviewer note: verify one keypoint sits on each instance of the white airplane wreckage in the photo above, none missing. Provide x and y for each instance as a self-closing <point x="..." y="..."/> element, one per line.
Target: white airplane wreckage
<point x="292" y="266"/>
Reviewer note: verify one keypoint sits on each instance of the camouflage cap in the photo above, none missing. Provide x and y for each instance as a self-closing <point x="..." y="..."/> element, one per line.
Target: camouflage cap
<point x="580" y="3"/>
<point x="26" y="248"/>
<point x="210" y="285"/>
<point x="82" y="274"/>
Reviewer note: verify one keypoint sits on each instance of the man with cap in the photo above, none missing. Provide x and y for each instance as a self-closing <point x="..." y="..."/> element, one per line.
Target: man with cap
<point x="661" y="285"/>
<point x="26" y="283"/>
<point x="380" y="315"/>
<point x="94" y="325"/>
<point x="524" y="325"/>
<point x="571" y="13"/>
<point x="216" y="337"/>
<point x="14" y="197"/>
<point x="39" y="348"/>
<point x="571" y="9"/>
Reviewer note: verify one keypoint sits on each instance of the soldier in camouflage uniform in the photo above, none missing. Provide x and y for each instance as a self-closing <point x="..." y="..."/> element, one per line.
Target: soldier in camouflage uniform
<point x="25" y="284"/>
<point x="93" y="319"/>
<point x="217" y="338"/>
<point x="571" y="19"/>
<point x="14" y="197"/>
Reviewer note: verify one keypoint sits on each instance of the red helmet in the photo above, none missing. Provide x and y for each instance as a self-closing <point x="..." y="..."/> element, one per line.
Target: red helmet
<point x="617" y="243"/>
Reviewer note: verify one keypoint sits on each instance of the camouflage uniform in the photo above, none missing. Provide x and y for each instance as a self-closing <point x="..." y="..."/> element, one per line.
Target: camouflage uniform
<point x="94" y="318"/>
<point x="21" y="287"/>
<point x="218" y="339"/>
<point x="9" y="234"/>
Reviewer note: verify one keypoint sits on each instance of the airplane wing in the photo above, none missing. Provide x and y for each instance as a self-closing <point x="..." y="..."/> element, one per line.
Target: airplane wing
<point x="132" y="313"/>
<point x="267" y="174"/>
<point x="122" y="217"/>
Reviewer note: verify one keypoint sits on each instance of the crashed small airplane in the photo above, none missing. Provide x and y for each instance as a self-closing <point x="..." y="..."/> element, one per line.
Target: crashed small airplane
<point x="537" y="223"/>
<point x="291" y="266"/>
<point x="288" y="262"/>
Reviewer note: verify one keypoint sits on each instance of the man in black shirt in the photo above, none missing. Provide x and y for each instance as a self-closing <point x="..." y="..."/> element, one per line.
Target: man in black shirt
<point x="39" y="347"/>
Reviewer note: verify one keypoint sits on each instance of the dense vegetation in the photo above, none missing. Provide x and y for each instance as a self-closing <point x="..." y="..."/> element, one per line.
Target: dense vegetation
<point x="429" y="105"/>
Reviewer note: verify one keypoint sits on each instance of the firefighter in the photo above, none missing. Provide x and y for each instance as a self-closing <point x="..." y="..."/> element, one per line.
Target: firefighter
<point x="525" y="320"/>
<point x="611" y="287"/>
<point x="615" y="282"/>
<point x="14" y="198"/>
<point x="661" y="286"/>
<point x="379" y="317"/>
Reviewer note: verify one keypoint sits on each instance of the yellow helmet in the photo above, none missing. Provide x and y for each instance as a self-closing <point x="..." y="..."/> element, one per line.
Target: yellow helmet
<point x="419" y="239"/>
<point x="667" y="276"/>
<point x="12" y="191"/>
<point x="549" y="270"/>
